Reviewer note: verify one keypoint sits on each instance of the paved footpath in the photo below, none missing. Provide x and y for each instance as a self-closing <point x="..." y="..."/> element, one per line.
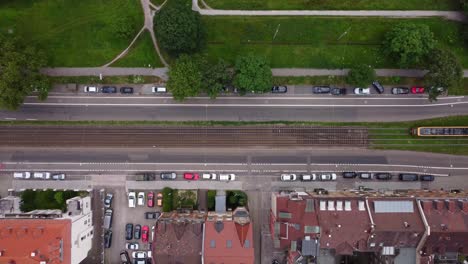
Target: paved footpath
<point x="450" y="15"/>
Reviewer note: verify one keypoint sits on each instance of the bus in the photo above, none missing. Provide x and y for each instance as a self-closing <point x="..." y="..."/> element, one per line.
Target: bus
<point x="452" y="131"/>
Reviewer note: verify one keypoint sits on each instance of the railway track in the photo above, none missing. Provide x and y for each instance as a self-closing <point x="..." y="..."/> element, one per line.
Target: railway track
<point x="164" y="136"/>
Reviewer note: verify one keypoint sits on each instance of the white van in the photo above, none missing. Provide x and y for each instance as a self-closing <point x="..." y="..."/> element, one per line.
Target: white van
<point x="158" y="89"/>
<point x="209" y="176"/>
<point x="227" y="177"/>
<point x="22" y="175"/>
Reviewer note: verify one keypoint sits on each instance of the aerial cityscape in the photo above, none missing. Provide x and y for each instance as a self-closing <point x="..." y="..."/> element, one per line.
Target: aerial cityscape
<point x="234" y="132"/>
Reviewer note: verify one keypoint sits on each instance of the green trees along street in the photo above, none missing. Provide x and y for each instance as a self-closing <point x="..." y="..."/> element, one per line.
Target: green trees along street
<point x="361" y="75"/>
<point x="253" y="73"/>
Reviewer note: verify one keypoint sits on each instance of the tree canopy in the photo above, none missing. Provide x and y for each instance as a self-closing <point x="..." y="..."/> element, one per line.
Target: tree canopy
<point x="444" y="69"/>
<point x="253" y="73"/>
<point x="178" y="28"/>
<point x="215" y="77"/>
<point x="361" y="75"/>
<point x="185" y="77"/>
<point x="19" y="72"/>
<point x="408" y="43"/>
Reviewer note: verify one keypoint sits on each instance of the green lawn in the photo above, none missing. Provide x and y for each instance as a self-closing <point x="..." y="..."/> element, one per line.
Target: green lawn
<point x="72" y="33"/>
<point x="141" y="54"/>
<point x="157" y="2"/>
<point x="316" y="42"/>
<point x="335" y="4"/>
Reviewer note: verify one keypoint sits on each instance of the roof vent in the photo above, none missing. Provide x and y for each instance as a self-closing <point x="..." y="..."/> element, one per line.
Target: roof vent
<point x="407" y="225"/>
<point x="443" y="226"/>
<point x="33" y="253"/>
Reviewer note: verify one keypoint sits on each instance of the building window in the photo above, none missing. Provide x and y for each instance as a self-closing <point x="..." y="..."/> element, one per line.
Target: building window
<point x="229" y="243"/>
<point x="247" y="243"/>
<point x="212" y="244"/>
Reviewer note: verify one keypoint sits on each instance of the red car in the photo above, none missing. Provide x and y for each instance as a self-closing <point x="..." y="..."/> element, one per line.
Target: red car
<point x="150" y="199"/>
<point x="191" y="176"/>
<point x="144" y="234"/>
<point x="417" y="90"/>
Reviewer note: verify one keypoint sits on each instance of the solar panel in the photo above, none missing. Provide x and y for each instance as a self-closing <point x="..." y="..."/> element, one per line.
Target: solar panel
<point x="393" y="207"/>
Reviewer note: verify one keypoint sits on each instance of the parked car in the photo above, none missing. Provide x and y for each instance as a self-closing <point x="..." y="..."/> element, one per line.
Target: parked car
<point x="150" y="200"/>
<point x="378" y="87"/>
<point x="383" y="176"/>
<point x="139" y="255"/>
<point x="417" y="90"/>
<point x="22" y="175"/>
<point x="191" y="176"/>
<point x="132" y="245"/>
<point x="144" y="234"/>
<point x="58" y="177"/>
<point x="328" y="177"/>
<point x="321" y="89"/>
<point x="400" y="90"/>
<point x="137" y="232"/>
<point x="131" y="199"/>
<point x="349" y="174"/>
<point x="279" y="89"/>
<point x="362" y="91"/>
<point x="108" y="200"/>
<point x="129" y="231"/>
<point x="209" y="176"/>
<point x="338" y="91"/>
<point x="159" y="198"/>
<point x="365" y="175"/>
<point x="227" y="177"/>
<point x="124" y="257"/>
<point x="109" y="89"/>
<point x="158" y="89"/>
<point x="91" y="89"/>
<point x="427" y="177"/>
<point x="107" y="239"/>
<point x="41" y="175"/>
<point x="141" y="199"/>
<point x="288" y="177"/>
<point x="308" y="177"/>
<point x="126" y="90"/>
<point x="152" y="215"/>
<point x="168" y="175"/>
<point x="408" y="177"/>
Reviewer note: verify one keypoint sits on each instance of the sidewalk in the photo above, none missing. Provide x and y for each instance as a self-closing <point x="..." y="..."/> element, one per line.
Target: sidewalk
<point x="105" y="71"/>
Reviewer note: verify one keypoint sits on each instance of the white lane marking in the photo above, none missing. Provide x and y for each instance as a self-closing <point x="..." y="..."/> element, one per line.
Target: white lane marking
<point x="246" y="105"/>
<point x="31" y="119"/>
<point x="258" y="98"/>
<point x="10" y="118"/>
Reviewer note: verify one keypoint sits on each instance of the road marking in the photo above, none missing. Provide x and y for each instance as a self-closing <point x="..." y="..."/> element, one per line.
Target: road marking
<point x="31" y="119"/>
<point x="10" y="118"/>
<point x="247" y="105"/>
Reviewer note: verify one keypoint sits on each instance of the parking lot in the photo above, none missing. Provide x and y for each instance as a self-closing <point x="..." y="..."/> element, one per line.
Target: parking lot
<point x="122" y="215"/>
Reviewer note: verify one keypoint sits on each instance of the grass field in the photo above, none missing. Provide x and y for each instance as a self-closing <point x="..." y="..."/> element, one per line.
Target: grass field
<point x="72" y="33"/>
<point x="141" y="54"/>
<point x="334" y="5"/>
<point x="315" y="42"/>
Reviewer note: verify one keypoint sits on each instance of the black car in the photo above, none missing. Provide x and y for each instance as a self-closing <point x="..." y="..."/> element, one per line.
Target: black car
<point x="126" y="90"/>
<point x="383" y="176"/>
<point x="109" y="89"/>
<point x="365" y="175"/>
<point x="400" y="90"/>
<point x="137" y="232"/>
<point x="408" y="177"/>
<point x="338" y="91"/>
<point x="349" y="174"/>
<point x="279" y="89"/>
<point x="124" y="257"/>
<point x="378" y="87"/>
<point x="129" y="231"/>
<point x="152" y="215"/>
<point x="108" y="239"/>
<point x="321" y="89"/>
<point x="426" y="177"/>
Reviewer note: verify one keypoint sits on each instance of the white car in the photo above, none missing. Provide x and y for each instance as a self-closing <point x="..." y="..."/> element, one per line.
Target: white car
<point x="158" y="89"/>
<point x="91" y="89"/>
<point x="131" y="199"/>
<point x="362" y="91"/>
<point x="227" y="177"/>
<point x="288" y="177"/>
<point x="138" y="254"/>
<point x="22" y="175"/>
<point x="328" y="177"/>
<point x="209" y="176"/>
<point x="141" y="198"/>
<point x="41" y="175"/>
<point x="132" y="246"/>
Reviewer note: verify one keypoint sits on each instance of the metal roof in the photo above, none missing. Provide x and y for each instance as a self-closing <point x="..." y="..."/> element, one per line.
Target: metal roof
<point x="393" y="206"/>
<point x="310" y="247"/>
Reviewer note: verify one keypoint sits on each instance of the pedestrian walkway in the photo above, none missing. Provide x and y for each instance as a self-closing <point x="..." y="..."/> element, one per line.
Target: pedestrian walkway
<point x="450" y="15"/>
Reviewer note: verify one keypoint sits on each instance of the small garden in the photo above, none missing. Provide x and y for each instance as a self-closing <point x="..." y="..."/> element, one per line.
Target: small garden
<point x="233" y="199"/>
<point x="48" y="199"/>
<point x="178" y="199"/>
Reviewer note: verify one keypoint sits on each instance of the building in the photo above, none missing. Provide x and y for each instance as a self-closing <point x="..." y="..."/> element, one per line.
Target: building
<point x="228" y="238"/>
<point x="447" y="222"/>
<point x="178" y="238"/>
<point x="48" y="236"/>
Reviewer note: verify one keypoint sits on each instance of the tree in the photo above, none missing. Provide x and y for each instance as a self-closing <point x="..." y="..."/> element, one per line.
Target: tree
<point x="185" y="77"/>
<point x="215" y="77"/>
<point x="408" y="43"/>
<point x="252" y="74"/>
<point x="19" y="72"/>
<point x="178" y="28"/>
<point x="361" y="75"/>
<point x="445" y="71"/>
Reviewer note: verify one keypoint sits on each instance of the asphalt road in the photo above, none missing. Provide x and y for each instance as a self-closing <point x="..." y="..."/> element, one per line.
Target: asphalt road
<point x="261" y="108"/>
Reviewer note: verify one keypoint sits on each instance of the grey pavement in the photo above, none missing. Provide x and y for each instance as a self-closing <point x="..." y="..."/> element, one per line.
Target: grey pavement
<point x="106" y="71"/>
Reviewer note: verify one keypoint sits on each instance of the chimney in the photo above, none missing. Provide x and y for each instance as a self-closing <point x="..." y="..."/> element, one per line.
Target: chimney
<point x="450" y="205"/>
<point x="439" y="205"/>
<point x="407" y="225"/>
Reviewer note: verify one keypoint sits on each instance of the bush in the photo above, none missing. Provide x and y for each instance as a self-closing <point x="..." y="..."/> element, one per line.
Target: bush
<point x="167" y="199"/>
<point x="235" y="199"/>
<point x="253" y="73"/>
<point x="361" y="75"/>
<point x="211" y="200"/>
<point x="48" y="199"/>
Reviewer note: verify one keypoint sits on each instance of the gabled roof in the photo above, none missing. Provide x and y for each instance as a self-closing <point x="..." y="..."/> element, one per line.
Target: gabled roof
<point x="28" y="241"/>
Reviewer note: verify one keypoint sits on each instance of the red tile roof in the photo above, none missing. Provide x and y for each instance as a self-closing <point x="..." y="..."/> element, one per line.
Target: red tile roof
<point x="20" y="237"/>
<point x="216" y="249"/>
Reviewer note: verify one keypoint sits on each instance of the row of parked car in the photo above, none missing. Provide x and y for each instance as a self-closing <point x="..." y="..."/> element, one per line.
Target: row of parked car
<point x="140" y="200"/>
<point x="193" y="176"/>
<point x="38" y="175"/>
<point x="360" y="175"/>
<point x="123" y="90"/>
